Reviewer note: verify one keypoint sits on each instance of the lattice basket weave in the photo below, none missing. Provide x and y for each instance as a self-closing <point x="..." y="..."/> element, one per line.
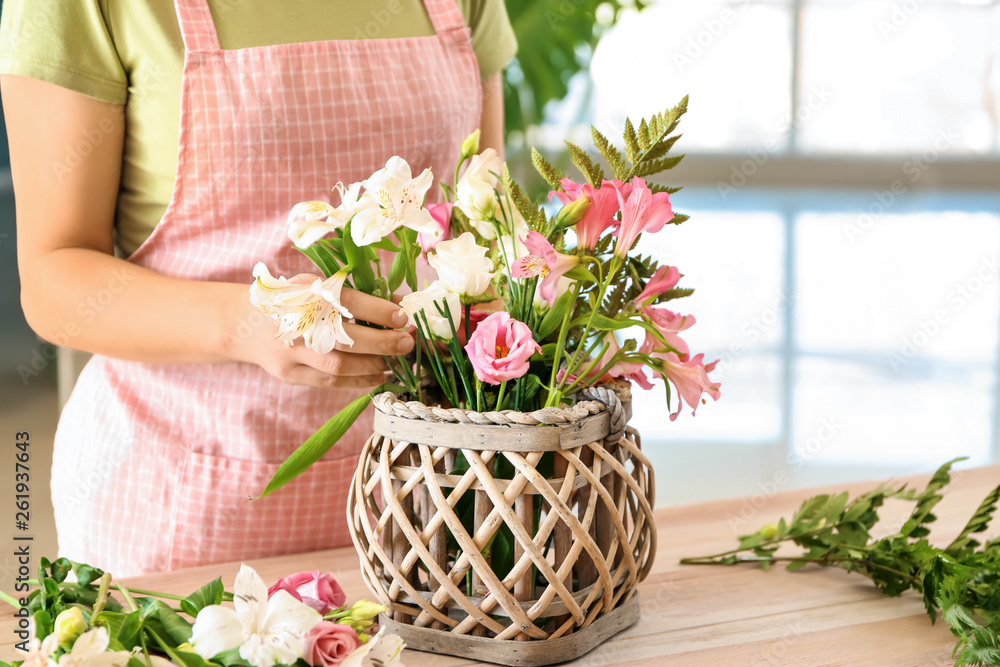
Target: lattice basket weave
<point x="578" y="552"/>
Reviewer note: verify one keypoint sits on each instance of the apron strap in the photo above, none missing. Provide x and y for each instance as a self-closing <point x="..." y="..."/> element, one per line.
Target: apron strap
<point x="197" y="26"/>
<point x="445" y="15"/>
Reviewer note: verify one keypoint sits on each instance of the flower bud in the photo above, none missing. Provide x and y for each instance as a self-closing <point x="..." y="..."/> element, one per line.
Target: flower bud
<point x="572" y="213"/>
<point x="471" y="145"/>
<point x="364" y="610"/>
<point x="770" y="531"/>
<point x="69" y="625"/>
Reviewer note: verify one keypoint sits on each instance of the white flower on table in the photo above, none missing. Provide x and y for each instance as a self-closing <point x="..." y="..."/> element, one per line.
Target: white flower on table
<point x="267" y="631"/>
<point x="382" y="650"/>
<point x="476" y="194"/>
<point x="462" y="265"/>
<point x="89" y="650"/>
<point x="312" y="311"/>
<point x="393" y="199"/>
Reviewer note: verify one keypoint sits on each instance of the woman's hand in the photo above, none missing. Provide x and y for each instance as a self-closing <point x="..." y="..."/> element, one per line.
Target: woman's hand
<point x="358" y="366"/>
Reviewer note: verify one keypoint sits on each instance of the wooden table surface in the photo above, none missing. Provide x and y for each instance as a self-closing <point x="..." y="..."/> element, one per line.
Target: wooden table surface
<point x="709" y="615"/>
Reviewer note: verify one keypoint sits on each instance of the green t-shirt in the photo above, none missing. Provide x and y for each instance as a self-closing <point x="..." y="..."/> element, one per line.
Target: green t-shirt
<point x="130" y="52"/>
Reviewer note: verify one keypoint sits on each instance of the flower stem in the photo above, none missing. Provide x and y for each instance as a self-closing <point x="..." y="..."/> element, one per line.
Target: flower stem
<point x="129" y="600"/>
<point x="563" y="331"/>
<point x="503" y="388"/>
<point x="102" y="595"/>
<point x="13" y="602"/>
<point x="801" y="559"/>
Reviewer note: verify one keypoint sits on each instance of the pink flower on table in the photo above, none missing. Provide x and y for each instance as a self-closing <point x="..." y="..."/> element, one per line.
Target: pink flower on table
<point x="601" y="214"/>
<point x="642" y="211"/>
<point x="500" y="349"/>
<point x="328" y="644"/>
<point x="669" y="324"/>
<point x="690" y="378"/>
<point x="665" y="278"/>
<point x="441" y="213"/>
<point x="315" y="589"/>
<point x="543" y="262"/>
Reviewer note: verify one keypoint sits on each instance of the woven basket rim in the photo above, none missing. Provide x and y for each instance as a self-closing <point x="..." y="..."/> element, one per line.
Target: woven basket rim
<point x="390" y="403"/>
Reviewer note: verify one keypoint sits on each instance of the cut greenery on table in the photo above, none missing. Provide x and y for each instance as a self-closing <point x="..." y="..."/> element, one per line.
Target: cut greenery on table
<point x="960" y="581"/>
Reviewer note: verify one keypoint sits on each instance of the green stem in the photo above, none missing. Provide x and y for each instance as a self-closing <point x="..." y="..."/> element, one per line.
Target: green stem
<point x="563" y="331"/>
<point x="129" y="600"/>
<point x="503" y="388"/>
<point x="102" y="594"/>
<point x="13" y="602"/>
<point x="802" y="559"/>
<point x="468" y="322"/>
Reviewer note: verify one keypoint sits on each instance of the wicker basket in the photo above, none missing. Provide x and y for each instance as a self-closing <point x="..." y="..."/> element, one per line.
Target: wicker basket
<point x="583" y="535"/>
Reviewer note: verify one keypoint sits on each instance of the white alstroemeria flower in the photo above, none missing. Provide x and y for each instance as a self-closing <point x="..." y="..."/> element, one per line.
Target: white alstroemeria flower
<point x="39" y="652"/>
<point x="462" y="265"/>
<point x="91" y="650"/>
<point x="312" y="311"/>
<point x="393" y="199"/>
<point x="267" y="631"/>
<point x="310" y="221"/>
<point x="425" y="300"/>
<point x="382" y="650"/>
<point x="476" y="194"/>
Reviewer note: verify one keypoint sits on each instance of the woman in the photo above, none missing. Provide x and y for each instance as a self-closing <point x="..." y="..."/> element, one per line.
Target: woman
<point x="190" y="403"/>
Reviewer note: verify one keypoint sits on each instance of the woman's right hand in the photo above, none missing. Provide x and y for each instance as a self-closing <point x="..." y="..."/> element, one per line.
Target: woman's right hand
<point x="253" y="339"/>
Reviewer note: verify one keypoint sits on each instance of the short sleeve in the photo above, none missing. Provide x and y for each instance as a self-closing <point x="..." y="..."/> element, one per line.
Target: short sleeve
<point x="493" y="37"/>
<point x="65" y="42"/>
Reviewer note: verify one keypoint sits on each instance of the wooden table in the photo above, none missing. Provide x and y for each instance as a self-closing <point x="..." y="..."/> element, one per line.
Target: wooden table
<point x="710" y="615"/>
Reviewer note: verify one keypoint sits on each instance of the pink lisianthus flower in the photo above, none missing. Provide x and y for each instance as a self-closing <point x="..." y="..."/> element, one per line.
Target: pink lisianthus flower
<point x="543" y="262"/>
<point x="603" y="207"/>
<point x="314" y="589"/>
<point x="669" y="324"/>
<point x="665" y="278"/>
<point x="690" y="378"/>
<point x="500" y="349"/>
<point x="642" y="211"/>
<point x="328" y="644"/>
<point x="441" y="213"/>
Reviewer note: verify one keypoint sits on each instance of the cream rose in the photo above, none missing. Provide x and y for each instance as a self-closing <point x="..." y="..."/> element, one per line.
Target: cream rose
<point x="462" y="265"/>
<point x="476" y="193"/>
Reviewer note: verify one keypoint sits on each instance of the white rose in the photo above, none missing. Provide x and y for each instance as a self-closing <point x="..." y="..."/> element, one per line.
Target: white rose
<point x="462" y="265"/>
<point x="425" y="300"/>
<point x="476" y="195"/>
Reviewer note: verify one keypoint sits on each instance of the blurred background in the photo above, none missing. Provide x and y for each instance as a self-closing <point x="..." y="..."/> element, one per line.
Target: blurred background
<point x="843" y="181"/>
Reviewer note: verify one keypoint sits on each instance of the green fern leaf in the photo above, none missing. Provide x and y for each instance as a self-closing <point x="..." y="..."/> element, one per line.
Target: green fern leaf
<point x="632" y="142"/>
<point x="551" y="175"/>
<point x="608" y="152"/>
<point x="591" y="172"/>
<point x="674" y="293"/>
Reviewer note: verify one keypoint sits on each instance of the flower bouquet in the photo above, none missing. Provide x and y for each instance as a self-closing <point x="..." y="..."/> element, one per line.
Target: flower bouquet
<point x="73" y="620"/>
<point x="506" y="498"/>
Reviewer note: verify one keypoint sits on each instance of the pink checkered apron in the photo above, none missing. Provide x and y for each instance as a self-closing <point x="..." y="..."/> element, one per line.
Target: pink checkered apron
<point x="154" y="463"/>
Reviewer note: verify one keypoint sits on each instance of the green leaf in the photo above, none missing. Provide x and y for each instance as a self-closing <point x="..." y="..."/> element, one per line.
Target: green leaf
<point x="979" y="522"/>
<point x="323" y="260"/>
<point x="553" y="318"/>
<point x="209" y="594"/>
<point x="318" y="444"/>
<point x="591" y="172"/>
<point x="397" y="272"/>
<point x="551" y="175"/>
<point x="360" y="261"/>
<point x="173" y="624"/>
<point x="580" y="272"/>
<point x="230" y="658"/>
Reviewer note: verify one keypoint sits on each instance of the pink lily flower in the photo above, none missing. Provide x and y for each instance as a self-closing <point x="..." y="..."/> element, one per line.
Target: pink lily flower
<point x="543" y="262"/>
<point x="690" y="378"/>
<point x="601" y="214"/>
<point x="441" y="213"/>
<point x="642" y="211"/>
<point x="665" y="278"/>
<point x="669" y="324"/>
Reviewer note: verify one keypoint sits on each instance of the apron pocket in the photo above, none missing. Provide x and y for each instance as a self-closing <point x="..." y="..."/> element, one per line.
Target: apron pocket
<point x="215" y="521"/>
